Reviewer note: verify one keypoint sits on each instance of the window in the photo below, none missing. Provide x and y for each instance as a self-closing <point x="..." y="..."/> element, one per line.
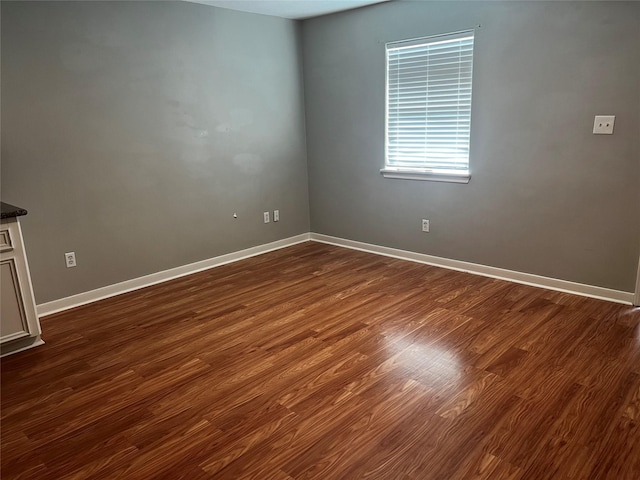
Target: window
<point x="428" y="119"/>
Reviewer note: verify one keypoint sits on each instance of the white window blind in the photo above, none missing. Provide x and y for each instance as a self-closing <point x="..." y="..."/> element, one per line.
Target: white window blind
<point x="429" y="105"/>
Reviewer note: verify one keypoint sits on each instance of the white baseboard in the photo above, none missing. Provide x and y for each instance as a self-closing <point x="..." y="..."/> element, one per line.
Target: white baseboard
<point x="486" y="271"/>
<point x="601" y="293"/>
<point x="636" y="299"/>
<point x="21" y="345"/>
<point x="66" y="303"/>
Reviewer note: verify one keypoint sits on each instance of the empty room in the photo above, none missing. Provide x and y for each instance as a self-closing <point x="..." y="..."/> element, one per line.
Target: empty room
<point x="320" y="239"/>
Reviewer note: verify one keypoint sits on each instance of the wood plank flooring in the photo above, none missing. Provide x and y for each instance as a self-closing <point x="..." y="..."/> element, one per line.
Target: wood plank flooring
<point x="321" y="362"/>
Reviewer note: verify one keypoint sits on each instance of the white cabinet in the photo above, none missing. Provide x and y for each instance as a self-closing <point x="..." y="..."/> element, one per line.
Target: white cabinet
<point x="19" y="324"/>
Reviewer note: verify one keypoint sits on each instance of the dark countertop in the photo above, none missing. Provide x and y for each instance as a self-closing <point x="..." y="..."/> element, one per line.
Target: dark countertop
<point x="9" y="211"/>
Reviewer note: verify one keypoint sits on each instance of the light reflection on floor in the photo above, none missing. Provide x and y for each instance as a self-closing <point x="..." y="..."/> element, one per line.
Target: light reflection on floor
<point x="425" y="358"/>
<point x="631" y="316"/>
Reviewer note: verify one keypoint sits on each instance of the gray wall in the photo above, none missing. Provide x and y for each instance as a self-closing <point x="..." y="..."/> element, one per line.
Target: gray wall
<point x="546" y="196"/>
<point x="132" y="132"/>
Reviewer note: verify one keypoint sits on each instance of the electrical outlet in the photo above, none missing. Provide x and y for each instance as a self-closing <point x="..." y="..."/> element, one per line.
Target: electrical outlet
<point x="70" y="259"/>
<point x="603" y="124"/>
<point x="276" y="215"/>
<point x="266" y="217"/>
<point x="425" y="225"/>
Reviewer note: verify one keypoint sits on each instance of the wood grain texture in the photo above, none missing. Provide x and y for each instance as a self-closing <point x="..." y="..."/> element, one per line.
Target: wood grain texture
<point x="317" y="362"/>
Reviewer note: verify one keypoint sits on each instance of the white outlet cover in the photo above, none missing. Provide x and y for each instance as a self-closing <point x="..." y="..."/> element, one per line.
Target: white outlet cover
<point x="603" y="124"/>
<point x="266" y="217"/>
<point x="70" y="259"/>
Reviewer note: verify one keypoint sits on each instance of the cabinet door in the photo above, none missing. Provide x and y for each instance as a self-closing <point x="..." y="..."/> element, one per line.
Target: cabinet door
<point x="13" y="321"/>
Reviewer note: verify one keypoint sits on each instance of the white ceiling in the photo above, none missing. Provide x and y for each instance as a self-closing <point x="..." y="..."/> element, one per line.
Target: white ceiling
<point x="294" y="9"/>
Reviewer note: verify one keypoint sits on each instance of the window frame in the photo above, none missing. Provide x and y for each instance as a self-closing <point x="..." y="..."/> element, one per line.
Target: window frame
<point x="426" y="173"/>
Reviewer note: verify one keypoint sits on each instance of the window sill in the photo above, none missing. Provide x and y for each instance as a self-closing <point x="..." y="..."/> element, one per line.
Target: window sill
<point x="451" y="177"/>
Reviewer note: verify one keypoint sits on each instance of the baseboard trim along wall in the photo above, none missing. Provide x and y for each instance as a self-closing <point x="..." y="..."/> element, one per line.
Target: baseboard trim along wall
<point x="476" y="269"/>
<point x="66" y="303"/>
<point x="84" y="298"/>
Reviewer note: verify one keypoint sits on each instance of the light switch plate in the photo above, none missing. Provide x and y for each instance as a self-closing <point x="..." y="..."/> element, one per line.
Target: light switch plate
<point x="603" y="124"/>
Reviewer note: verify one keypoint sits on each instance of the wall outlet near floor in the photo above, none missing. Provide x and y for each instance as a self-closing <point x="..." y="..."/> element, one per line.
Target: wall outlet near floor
<point x="266" y="217"/>
<point x="603" y="124"/>
<point x="70" y="259"/>
<point x="425" y="225"/>
<point x="276" y="215"/>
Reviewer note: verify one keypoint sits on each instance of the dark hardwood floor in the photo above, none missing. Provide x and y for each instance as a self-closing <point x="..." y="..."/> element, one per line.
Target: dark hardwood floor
<point x="321" y="362"/>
